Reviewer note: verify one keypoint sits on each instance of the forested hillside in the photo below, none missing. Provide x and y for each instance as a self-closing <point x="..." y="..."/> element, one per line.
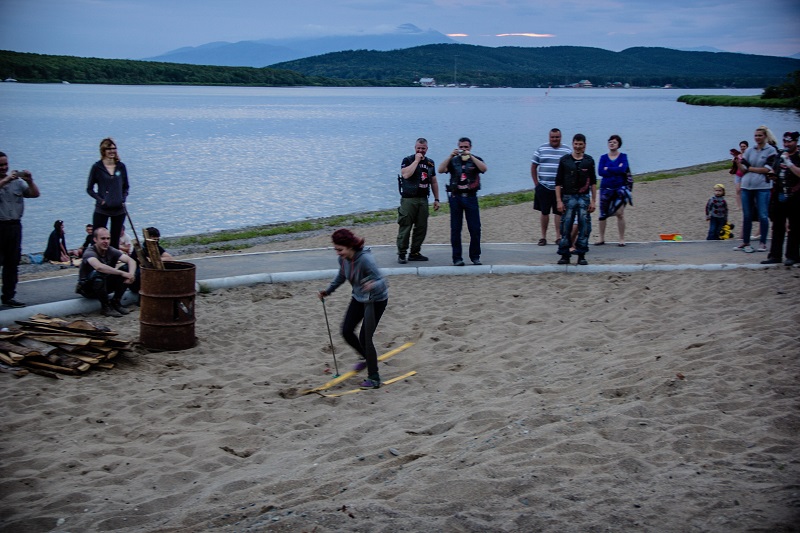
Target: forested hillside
<point x="447" y="63"/>
<point x="556" y="65"/>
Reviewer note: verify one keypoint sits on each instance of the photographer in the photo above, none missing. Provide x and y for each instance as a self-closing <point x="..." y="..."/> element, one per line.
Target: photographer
<point x="465" y="171"/>
<point x="14" y="188"/>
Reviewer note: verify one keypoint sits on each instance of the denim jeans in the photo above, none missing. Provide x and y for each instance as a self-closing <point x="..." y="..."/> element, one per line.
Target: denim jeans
<point x="714" y="227"/>
<point x="466" y="207"/>
<point x="755" y="199"/>
<point x="575" y="206"/>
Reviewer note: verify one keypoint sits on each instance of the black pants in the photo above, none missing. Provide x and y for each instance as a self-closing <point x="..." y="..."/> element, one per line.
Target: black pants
<point x="780" y="213"/>
<point x="100" y="220"/>
<point x="97" y="287"/>
<point x="10" y="249"/>
<point x="370" y="313"/>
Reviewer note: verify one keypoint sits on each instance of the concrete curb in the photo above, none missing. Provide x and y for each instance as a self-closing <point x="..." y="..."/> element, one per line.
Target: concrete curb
<point x="85" y="306"/>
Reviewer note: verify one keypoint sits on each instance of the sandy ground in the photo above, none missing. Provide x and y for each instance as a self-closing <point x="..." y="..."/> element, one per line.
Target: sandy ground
<point x="558" y="402"/>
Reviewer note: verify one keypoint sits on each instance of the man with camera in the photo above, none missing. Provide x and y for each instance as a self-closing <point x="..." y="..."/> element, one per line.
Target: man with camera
<point x="465" y="171"/>
<point x="100" y="276"/>
<point x="417" y="178"/>
<point x="14" y="187"/>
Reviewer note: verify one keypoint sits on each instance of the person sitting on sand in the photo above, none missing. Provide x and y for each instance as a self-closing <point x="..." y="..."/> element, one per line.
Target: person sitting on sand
<point x="100" y="276"/>
<point x="368" y="302"/>
<point x="125" y="245"/>
<point x="56" y="250"/>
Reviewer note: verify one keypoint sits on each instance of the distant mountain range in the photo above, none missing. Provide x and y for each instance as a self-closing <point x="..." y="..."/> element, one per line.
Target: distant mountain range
<point x="267" y="52"/>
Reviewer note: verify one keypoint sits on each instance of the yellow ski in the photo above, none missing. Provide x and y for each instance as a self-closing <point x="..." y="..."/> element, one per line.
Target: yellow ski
<point x="383" y="384"/>
<point x="352" y="373"/>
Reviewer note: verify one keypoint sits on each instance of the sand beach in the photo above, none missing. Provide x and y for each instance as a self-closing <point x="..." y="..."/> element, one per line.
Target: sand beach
<point x="627" y="402"/>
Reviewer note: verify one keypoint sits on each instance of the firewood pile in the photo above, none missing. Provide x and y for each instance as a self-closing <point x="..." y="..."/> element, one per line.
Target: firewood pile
<point x="52" y="346"/>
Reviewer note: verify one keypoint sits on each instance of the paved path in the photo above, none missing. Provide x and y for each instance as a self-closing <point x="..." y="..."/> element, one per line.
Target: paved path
<point x="56" y="296"/>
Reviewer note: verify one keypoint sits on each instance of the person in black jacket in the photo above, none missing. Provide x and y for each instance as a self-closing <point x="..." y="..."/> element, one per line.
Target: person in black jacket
<point x="108" y="185"/>
<point x="576" y="197"/>
<point x="417" y="178"/>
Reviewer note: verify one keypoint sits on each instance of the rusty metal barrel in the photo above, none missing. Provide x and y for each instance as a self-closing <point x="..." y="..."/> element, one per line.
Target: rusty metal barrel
<point x="166" y="317"/>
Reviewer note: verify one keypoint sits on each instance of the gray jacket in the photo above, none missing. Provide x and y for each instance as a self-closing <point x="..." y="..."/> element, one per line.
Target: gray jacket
<point x="357" y="271"/>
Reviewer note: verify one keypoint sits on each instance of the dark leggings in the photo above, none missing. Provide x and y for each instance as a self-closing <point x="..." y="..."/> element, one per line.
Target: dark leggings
<point x="100" y="220"/>
<point x="370" y="313"/>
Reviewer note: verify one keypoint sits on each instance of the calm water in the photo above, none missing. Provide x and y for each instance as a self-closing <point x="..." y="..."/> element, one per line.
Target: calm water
<point x="207" y="158"/>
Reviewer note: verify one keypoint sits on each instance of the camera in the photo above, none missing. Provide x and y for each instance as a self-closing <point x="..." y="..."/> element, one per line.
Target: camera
<point x="460" y="152"/>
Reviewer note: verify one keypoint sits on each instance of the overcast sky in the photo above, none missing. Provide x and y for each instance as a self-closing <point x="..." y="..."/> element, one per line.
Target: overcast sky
<point x="135" y="29"/>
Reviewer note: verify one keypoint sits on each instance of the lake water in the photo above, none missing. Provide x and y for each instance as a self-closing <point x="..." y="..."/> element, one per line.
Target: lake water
<point x="209" y="158"/>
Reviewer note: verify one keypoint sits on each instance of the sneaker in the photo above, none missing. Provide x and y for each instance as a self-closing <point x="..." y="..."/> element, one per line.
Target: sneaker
<point x="476" y="262"/>
<point x="748" y="249"/>
<point x="790" y="262"/>
<point x="358" y="367"/>
<point x="761" y="248"/>
<point x="401" y="258"/>
<point x="739" y="248"/>
<point x="564" y="260"/>
<point x="458" y="263"/>
<point x="118" y="307"/>
<point x="771" y="261"/>
<point x="370" y="384"/>
<point x="417" y="257"/>
<point x="582" y="260"/>
<point x="13" y="303"/>
<point x="109" y="312"/>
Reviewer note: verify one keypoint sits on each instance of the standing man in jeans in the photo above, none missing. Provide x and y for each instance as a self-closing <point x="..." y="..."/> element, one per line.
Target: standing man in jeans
<point x="14" y="188"/>
<point x="465" y="171"/>
<point x="417" y="178"/>
<point x="544" y="165"/>
<point x="576" y="197"/>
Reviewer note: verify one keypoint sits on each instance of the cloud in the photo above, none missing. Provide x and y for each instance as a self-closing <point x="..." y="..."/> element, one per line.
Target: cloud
<point x="524" y="35"/>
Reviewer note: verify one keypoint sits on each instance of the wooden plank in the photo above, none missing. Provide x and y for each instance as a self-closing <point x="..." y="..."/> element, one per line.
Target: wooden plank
<point x="86" y="358"/>
<point x="60" y="339"/>
<point x="54" y="368"/>
<point x="7" y="360"/>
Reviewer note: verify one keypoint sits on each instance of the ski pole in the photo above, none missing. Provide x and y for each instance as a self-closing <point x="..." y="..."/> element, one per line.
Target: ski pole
<point x="330" y="338"/>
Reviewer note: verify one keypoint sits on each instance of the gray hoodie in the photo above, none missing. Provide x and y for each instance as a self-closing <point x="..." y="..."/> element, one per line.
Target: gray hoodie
<point x="357" y="271"/>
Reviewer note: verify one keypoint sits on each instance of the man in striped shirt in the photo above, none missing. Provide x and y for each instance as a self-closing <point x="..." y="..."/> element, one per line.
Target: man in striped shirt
<point x="544" y="166"/>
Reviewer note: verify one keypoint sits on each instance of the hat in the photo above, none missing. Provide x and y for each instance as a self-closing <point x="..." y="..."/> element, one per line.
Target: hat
<point x="791" y="135"/>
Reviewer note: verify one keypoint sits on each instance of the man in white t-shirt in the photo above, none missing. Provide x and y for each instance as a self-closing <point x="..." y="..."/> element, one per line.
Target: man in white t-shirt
<point x="544" y="166"/>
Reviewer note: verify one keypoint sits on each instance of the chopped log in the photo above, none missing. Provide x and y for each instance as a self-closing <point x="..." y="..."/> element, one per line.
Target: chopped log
<point x="7" y="360"/>
<point x="119" y="343"/>
<point x="68" y="361"/>
<point x="14" y="370"/>
<point x="54" y="368"/>
<point x="15" y="348"/>
<point x="153" y="253"/>
<point x="41" y="347"/>
<point x="106" y="366"/>
<point x="112" y="354"/>
<point x="10" y="335"/>
<point x="16" y="356"/>
<point x="86" y="358"/>
<point x="69" y="348"/>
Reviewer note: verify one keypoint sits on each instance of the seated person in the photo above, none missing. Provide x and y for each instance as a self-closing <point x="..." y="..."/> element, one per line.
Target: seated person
<point x="100" y="276"/>
<point x="56" y="245"/>
<point x="87" y="242"/>
<point x="165" y="256"/>
<point x="124" y="242"/>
